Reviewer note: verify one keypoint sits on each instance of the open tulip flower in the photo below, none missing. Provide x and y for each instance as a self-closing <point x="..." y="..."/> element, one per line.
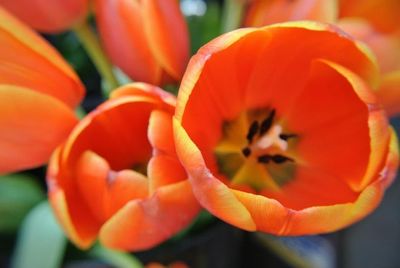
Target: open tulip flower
<point x="147" y="39"/>
<point x="280" y="132"/>
<point x="48" y="16"/>
<point x="117" y="176"/>
<point x="38" y="94"/>
<point x="375" y="22"/>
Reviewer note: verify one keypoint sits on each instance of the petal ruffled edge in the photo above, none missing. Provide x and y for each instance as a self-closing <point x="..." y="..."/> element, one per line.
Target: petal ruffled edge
<point x="212" y="194"/>
<point x="168" y="210"/>
<point x="271" y="217"/>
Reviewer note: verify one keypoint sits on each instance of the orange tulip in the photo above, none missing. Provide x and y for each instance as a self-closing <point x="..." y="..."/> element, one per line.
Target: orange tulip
<point x="38" y="92"/>
<point x="265" y="12"/>
<point x="374" y="22"/>
<point x="279" y="131"/>
<point x="48" y="16"/>
<point x="117" y="176"/>
<point x="147" y="39"/>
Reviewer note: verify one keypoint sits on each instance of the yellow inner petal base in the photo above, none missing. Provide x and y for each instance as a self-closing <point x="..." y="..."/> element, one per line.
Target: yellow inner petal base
<point x="255" y="151"/>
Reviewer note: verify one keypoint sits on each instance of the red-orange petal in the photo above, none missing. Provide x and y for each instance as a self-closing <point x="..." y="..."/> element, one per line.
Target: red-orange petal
<point x="261" y="12"/>
<point x="28" y="60"/>
<point x="48" y="16"/>
<point x="167" y="34"/>
<point x="142" y="224"/>
<point x="386" y="46"/>
<point x="212" y="194"/>
<point x="389" y="93"/>
<point x="104" y="190"/>
<point x="270" y="216"/>
<point x="383" y="14"/>
<point x="29" y="132"/>
<point x="120" y="24"/>
<point x="69" y="208"/>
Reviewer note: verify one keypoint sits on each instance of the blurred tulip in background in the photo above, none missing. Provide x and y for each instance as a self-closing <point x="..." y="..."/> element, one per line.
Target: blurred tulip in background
<point x="147" y="39"/>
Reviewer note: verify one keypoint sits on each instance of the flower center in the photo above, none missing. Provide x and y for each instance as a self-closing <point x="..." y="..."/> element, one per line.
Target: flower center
<point x="255" y="151"/>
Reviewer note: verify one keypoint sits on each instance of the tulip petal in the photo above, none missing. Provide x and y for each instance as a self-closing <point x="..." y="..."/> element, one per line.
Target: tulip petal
<point x="272" y="217"/>
<point x="120" y="24"/>
<point x="167" y="33"/>
<point x="70" y="210"/>
<point x="263" y="12"/>
<point x="29" y="133"/>
<point x="116" y="130"/>
<point x="168" y="210"/>
<point x="139" y="89"/>
<point x="48" y="16"/>
<point x="386" y="46"/>
<point x="384" y="15"/>
<point x="164" y="168"/>
<point x="389" y="93"/>
<point x="28" y="61"/>
<point x="212" y="194"/>
<point x="349" y="125"/>
<point x="106" y="191"/>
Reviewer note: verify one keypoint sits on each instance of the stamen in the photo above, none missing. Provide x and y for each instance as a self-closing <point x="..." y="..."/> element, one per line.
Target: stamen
<point x="285" y="137"/>
<point x="267" y="123"/>
<point x="252" y="131"/>
<point x="279" y="159"/>
<point x="246" y="151"/>
<point x="264" y="159"/>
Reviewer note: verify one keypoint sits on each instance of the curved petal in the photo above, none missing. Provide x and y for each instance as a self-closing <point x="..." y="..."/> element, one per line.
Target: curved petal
<point x="27" y="60"/>
<point x="212" y="194"/>
<point x="349" y="124"/>
<point x="263" y="12"/>
<point x="142" y="224"/>
<point x="116" y="130"/>
<point x="167" y="34"/>
<point x="29" y="133"/>
<point x="48" y="16"/>
<point x="383" y="14"/>
<point x="164" y="167"/>
<point x="389" y="93"/>
<point x="146" y="90"/>
<point x="386" y="46"/>
<point x="120" y="24"/>
<point x="70" y="210"/>
<point x="104" y="190"/>
<point x="270" y="216"/>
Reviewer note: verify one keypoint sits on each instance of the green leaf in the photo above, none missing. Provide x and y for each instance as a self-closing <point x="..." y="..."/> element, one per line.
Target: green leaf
<point x="41" y="242"/>
<point x="18" y="194"/>
<point x="115" y="258"/>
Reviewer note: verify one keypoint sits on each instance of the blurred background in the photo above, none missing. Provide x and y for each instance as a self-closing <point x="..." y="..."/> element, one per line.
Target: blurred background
<point x="373" y="242"/>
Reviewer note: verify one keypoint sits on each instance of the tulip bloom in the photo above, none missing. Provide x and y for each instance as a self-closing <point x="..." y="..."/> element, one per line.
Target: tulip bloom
<point x="265" y="12"/>
<point x="117" y="176"/>
<point x="38" y="92"/>
<point x="374" y="22"/>
<point x="48" y="16"/>
<point x="147" y="39"/>
<point x="279" y="131"/>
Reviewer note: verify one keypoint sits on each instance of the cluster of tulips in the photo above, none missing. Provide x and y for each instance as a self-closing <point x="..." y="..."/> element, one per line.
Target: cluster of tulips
<point x="279" y="127"/>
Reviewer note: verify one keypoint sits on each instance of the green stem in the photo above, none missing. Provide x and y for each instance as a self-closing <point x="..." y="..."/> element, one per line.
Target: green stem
<point x="232" y="14"/>
<point x="115" y="258"/>
<point x="91" y="44"/>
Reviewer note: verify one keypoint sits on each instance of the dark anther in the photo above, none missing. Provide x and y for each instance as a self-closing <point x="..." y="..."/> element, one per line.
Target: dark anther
<point x="264" y="158"/>
<point x="252" y="131"/>
<point x="287" y="136"/>
<point x="246" y="151"/>
<point x="279" y="159"/>
<point x="267" y="123"/>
